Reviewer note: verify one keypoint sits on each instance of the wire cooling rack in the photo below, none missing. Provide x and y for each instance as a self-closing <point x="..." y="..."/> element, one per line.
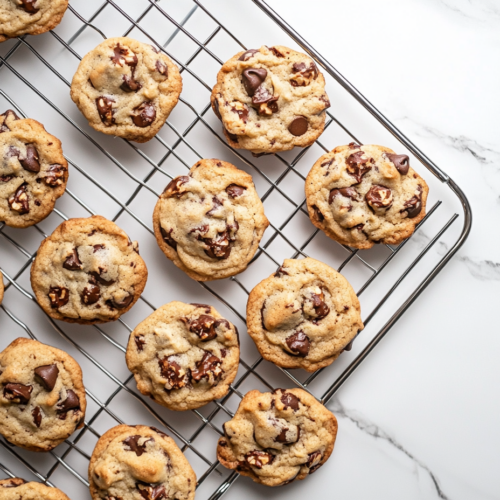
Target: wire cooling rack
<point x="122" y="181"/>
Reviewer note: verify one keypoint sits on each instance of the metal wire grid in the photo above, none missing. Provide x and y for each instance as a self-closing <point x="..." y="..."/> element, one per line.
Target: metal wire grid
<point x="183" y="139"/>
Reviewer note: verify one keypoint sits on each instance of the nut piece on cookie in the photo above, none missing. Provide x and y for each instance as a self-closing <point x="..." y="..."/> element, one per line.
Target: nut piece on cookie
<point x="42" y="398"/>
<point x="360" y="195"/>
<point x="16" y="488"/>
<point x="30" y="17"/>
<point x="88" y="271"/>
<point x="210" y="222"/>
<point x="279" y="437"/>
<point x="133" y="462"/>
<point x="184" y="355"/>
<point x="304" y="315"/>
<point x="126" y="88"/>
<point x="270" y="100"/>
<point x="33" y="171"/>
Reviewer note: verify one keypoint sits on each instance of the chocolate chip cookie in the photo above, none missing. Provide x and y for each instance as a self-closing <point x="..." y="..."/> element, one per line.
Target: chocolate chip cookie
<point x="19" y="489"/>
<point x="304" y="315"/>
<point x="210" y="222"/>
<point x="279" y="437"/>
<point x="360" y="195"/>
<point x="88" y="271"/>
<point x="126" y="88"/>
<point x="184" y="355"/>
<point x="270" y="100"/>
<point x="29" y="17"/>
<point x="42" y="398"/>
<point x="33" y="171"/>
<point x="139" y="462"/>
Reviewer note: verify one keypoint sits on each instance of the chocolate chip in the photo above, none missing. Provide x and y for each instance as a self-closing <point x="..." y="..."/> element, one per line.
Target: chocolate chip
<point x="234" y="191"/>
<point x="17" y="393"/>
<point x="216" y="109"/>
<point x="218" y="247"/>
<point x="379" y="197"/>
<point x="97" y="248"/>
<point x="252" y="79"/>
<point x="241" y="110"/>
<point x="325" y="99"/>
<point x="54" y="175"/>
<point x="202" y="306"/>
<point x="357" y="165"/>
<point x="204" y="326"/>
<point x="70" y="403"/>
<point x="319" y="305"/>
<point x="258" y="459"/>
<point x="167" y="237"/>
<point x="123" y="55"/>
<point x="6" y="178"/>
<point x="313" y="461"/>
<point x="276" y="52"/>
<point x="216" y="203"/>
<point x="290" y="400"/>
<point x="348" y="347"/>
<point x="105" y="110"/>
<point x="299" y="344"/>
<point x="223" y="353"/>
<point x="265" y="102"/>
<point x="280" y="272"/>
<point x="145" y="114"/>
<point x="298" y="126"/>
<point x="172" y="371"/>
<point x="414" y="205"/>
<point x="247" y="55"/>
<point x="317" y="214"/>
<point x="208" y="367"/>
<point x="19" y="201"/>
<point x="133" y="443"/>
<point x="353" y="145"/>
<point x="37" y="416"/>
<point x="47" y="376"/>
<point x="59" y="296"/>
<point x="161" y="67"/>
<point x="130" y="84"/>
<point x="123" y="303"/>
<point x="152" y="492"/>
<point x="7" y="114"/>
<point x="91" y="294"/>
<point x="348" y="192"/>
<point x="303" y="74"/>
<point x="28" y="6"/>
<point x="72" y="262"/>
<point x="31" y="163"/>
<point x="97" y="276"/>
<point x="140" y="342"/>
<point x="232" y="137"/>
<point x="174" y="186"/>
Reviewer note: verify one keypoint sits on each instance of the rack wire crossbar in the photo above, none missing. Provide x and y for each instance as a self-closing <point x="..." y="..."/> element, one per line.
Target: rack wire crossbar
<point x="181" y="147"/>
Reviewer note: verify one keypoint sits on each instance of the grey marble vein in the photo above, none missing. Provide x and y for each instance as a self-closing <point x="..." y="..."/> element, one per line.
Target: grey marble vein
<point x="375" y="431"/>
<point x="478" y="10"/>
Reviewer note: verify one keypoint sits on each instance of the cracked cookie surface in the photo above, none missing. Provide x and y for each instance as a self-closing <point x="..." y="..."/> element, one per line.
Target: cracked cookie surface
<point x="88" y="271"/>
<point x="139" y="463"/>
<point x="270" y="100"/>
<point x="32" y="17"/>
<point x="279" y="437"/>
<point x="42" y="398"/>
<point x="360" y="195"/>
<point x="126" y="88"/>
<point x="33" y="171"/>
<point x="18" y="489"/>
<point x="184" y="355"/>
<point x="210" y="222"/>
<point x="304" y="315"/>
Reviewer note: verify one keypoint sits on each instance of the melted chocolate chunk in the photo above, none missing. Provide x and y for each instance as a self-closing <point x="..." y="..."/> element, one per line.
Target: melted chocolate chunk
<point x="173" y="188"/>
<point x="276" y="52"/>
<point x="216" y="203"/>
<point x="46" y="376"/>
<point x="19" y="201"/>
<point x="290" y="400"/>
<point x="145" y="114"/>
<point x="17" y="393"/>
<point x="28" y="6"/>
<point x="32" y="162"/>
<point x="401" y="162"/>
<point x="167" y="238"/>
<point x="353" y="145"/>
<point x="252" y="79"/>
<point x="204" y="326"/>
<point x="97" y="248"/>
<point x="319" y="305"/>
<point x="234" y="191"/>
<point x="232" y="137"/>
<point x="218" y="247"/>
<point x="348" y="192"/>
<point x="59" y="296"/>
<point x="317" y="214"/>
<point x="97" y="276"/>
<point x="299" y="344"/>
<point x="6" y="178"/>
<point x="152" y="492"/>
<point x="91" y="294"/>
<point x="123" y="303"/>
<point x="172" y="371"/>
<point x="9" y="112"/>
<point x="414" y="205"/>
<point x="379" y="197"/>
<point x="208" y="367"/>
<point x="133" y="443"/>
<point x="258" y="459"/>
<point x="247" y="55"/>
<point x="303" y="74"/>
<point x="37" y="416"/>
<point x="298" y="126"/>
<point x="70" y="403"/>
<point x="202" y="306"/>
<point x="105" y="110"/>
<point x="280" y="272"/>
<point x="313" y="461"/>
<point x="265" y="102"/>
<point x="130" y="84"/>
<point x="139" y="342"/>
<point x="72" y="262"/>
<point x="161" y="67"/>
<point x="241" y="110"/>
<point x="123" y="55"/>
<point x="216" y="109"/>
<point x="357" y="166"/>
<point x="54" y="176"/>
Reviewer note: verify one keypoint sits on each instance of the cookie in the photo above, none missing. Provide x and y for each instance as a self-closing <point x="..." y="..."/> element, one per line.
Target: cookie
<point x="33" y="171"/>
<point x="88" y="271"/>
<point x="1" y="287"/>
<point x="184" y="355"/>
<point x="139" y="462"/>
<point x="42" y="398"/>
<point x="210" y="222"/>
<point x="279" y="437"/>
<point x="270" y="100"/>
<point x="18" y="489"/>
<point x="304" y="315"/>
<point x="126" y="88"/>
<point x="360" y="195"/>
<point x="29" y="17"/>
